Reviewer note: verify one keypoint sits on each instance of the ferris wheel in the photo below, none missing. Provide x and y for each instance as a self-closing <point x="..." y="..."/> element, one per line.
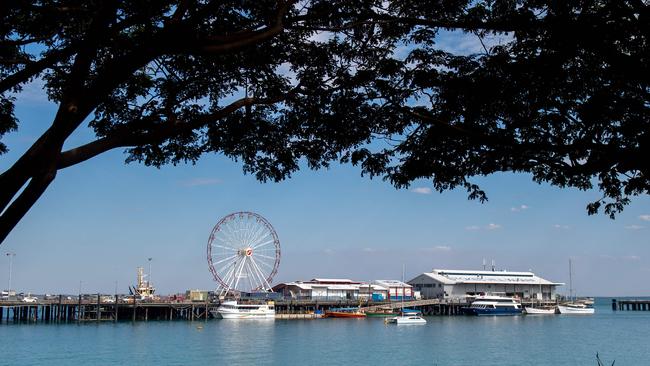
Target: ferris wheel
<point x="243" y="253"/>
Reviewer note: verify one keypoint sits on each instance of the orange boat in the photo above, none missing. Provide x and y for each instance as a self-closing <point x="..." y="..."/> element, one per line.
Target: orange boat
<point x="344" y="313"/>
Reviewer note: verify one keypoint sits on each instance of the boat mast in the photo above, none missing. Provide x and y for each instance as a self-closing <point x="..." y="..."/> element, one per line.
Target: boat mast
<point x="570" y="281"/>
<point x="403" y="289"/>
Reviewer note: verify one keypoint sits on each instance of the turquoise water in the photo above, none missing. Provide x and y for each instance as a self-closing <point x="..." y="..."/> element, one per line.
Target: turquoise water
<point x="623" y="336"/>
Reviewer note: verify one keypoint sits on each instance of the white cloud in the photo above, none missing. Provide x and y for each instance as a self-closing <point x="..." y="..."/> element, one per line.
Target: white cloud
<point x="201" y="182"/>
<point x="624" y="257"/>
<point x="634" y="227"/>
<point x="631" y="257"/>
<point x="437" y="249"/>
<point x="369" y="250"/>
<point x="519" y="208"/>
<point x="645" y="217"/>
<point x="558" y="226"/>
<point x="421" y="190"/>
<point x="442" y="248"/>
<point x="492" y="226"/>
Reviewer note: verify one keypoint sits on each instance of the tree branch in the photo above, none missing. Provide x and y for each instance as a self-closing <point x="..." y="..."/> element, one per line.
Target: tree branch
<point x="127" y="137"/>
<point x="33" y="69"/>
<point x="248" y="37"/>
<point x="499" y="26"/>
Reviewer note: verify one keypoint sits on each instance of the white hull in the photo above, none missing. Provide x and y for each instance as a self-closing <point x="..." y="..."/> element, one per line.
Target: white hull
<point x="575" y="310"/>
<point x="251" y="315"/>
<point x="406" y="320"/>
<point x="536" y="311"/>
<point x="233" y="310"/>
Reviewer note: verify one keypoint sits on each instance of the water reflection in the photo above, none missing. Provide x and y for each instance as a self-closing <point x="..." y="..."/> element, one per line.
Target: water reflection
<point x="241" y="341"/>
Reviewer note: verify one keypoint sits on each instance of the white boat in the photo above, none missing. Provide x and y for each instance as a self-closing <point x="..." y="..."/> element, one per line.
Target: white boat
<point x="30" y="298"/>
<point x="575" y="308"/>
<point x="234" y="310"/>
<point x="493" y="305"/>
<point x="406" y="320"/>
<point x="539" y="311"/>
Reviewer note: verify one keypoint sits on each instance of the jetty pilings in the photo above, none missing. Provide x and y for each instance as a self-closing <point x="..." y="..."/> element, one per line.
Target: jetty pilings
<point x="630" y="305"/>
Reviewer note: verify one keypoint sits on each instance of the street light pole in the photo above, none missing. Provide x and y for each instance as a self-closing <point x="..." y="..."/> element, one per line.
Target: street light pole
<point x="11" y="257"/>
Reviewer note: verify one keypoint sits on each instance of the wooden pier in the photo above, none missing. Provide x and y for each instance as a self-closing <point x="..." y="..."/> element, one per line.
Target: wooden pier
<point x="427" y="307"/>
<point x="631" y="305"/>
<point x="101" y="308"/>
<point x="83" y="309"/>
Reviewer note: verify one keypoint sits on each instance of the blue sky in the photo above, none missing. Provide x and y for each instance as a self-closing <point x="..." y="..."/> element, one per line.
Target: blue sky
<point x="101" y="219"/>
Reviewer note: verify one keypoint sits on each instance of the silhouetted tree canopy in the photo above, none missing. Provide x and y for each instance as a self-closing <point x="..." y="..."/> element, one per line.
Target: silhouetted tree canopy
<point x="277" y="84"/>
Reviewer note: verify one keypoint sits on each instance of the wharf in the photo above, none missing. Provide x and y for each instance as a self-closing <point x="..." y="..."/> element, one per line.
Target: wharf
<point x="98" y="307"/>
<point x="634" y="305"/>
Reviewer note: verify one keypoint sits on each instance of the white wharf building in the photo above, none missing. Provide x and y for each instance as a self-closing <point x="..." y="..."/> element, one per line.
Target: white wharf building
<point x="458" y="284"/>
<point x="334" y="289"/>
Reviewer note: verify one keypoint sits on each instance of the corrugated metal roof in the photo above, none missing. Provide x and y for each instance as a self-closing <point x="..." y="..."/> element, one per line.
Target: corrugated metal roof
<point x="392" y="283"/>
<point x="373" y="286"/>
<point x="332" y="280"/>
<point x="437" y="277"/>
<point x="454" y="272"/>
<point x="310" y="286"/>
<point x="451" y="277"/>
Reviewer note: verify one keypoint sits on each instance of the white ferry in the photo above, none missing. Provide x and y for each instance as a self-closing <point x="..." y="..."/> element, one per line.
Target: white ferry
<point x="493" y="305"/>
<point x="234" y="310"/>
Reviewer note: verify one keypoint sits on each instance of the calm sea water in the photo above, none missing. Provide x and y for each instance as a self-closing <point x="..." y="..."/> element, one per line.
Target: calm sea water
<point x="623" y="336"/>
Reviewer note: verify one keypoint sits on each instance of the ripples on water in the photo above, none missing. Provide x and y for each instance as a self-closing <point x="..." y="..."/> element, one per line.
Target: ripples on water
<point x="524" y="340"/>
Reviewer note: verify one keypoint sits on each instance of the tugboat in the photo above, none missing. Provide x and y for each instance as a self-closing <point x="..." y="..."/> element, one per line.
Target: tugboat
<point x="144" y="290"/>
